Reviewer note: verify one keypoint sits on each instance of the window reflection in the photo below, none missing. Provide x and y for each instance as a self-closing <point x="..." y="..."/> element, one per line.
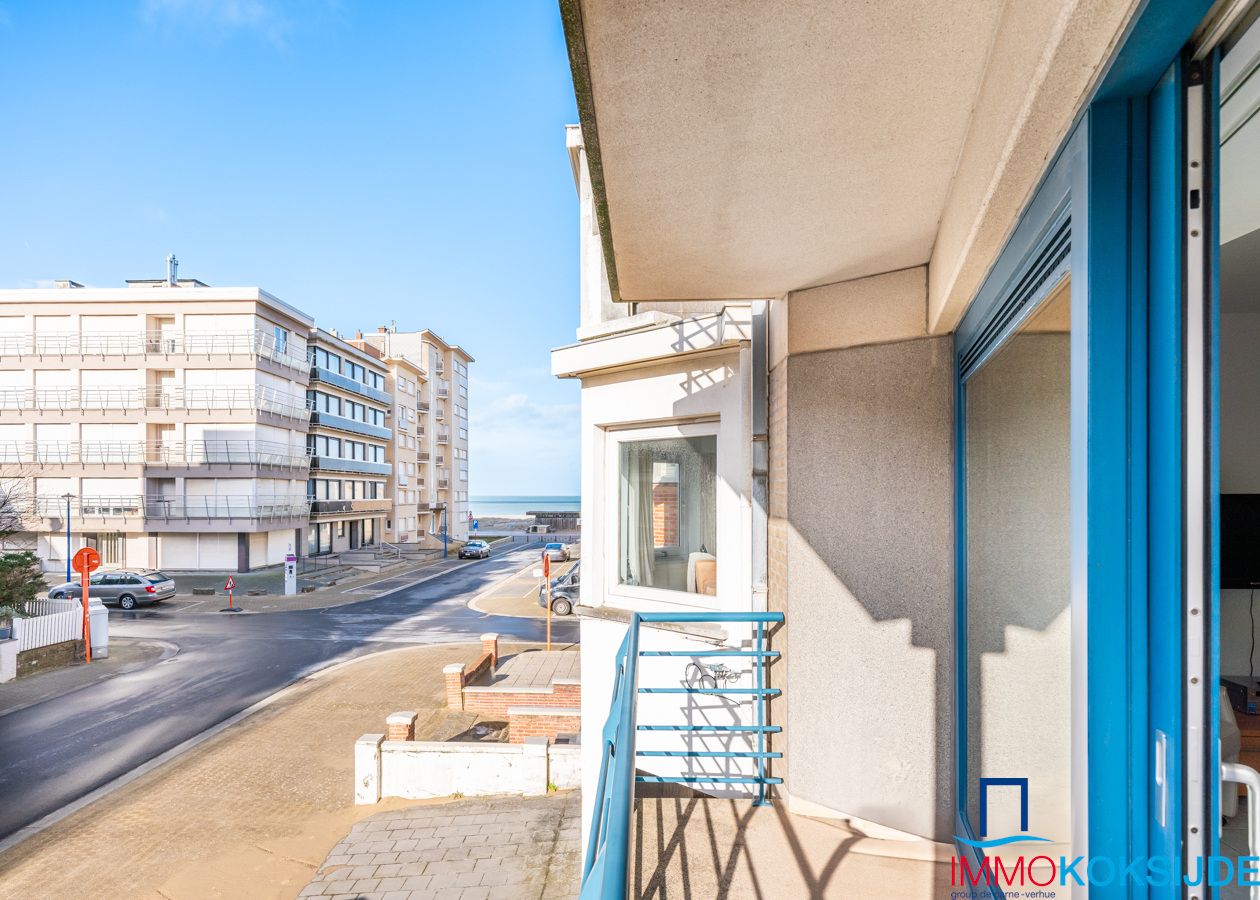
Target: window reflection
<point x="1017" y="550"/>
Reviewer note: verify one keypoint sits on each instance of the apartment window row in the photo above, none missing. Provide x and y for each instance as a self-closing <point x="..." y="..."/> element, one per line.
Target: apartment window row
<point x="463" y="392"/>
<point x="333" y="362"/>
<point x="350" y="409"/>
<point x="461" y="411"/>
<point x="344" y="489"/>
<point x="339" y="448"/>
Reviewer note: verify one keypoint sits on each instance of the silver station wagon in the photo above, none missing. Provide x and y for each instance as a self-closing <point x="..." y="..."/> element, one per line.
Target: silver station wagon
<point x="126" y="587"/>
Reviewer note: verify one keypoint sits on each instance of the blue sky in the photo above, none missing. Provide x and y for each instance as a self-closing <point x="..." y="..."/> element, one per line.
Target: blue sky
<point x="366" y="162"/>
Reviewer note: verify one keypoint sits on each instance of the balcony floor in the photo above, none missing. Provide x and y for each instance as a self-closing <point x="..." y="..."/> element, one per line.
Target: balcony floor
<point x="696" y="846"/>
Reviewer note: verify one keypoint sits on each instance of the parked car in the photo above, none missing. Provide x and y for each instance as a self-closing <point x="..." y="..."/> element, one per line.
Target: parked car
<point x="126" y="587"/>
<point x="564" y="592"/>
<point x="475" y="549"/>
<point x="556" y="551"/>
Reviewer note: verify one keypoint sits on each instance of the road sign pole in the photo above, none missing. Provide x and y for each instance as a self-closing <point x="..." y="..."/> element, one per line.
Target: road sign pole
<point x="547" y="579"/>
<point x="87" y="620"/>
<point x="229" y="586"/>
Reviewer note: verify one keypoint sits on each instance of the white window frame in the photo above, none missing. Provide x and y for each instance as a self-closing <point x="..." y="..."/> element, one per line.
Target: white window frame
<point x="633" y="596"/>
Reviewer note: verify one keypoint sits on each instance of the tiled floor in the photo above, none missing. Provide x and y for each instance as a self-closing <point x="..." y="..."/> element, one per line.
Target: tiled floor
<point x="1234" y="845"/>
<point x="514" y="848"/>
<point x="534" y="669"/>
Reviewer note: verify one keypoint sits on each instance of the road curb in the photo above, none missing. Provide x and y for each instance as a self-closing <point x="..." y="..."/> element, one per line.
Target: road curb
<point x="169" y="651"/>
<point x="29" y="831"/>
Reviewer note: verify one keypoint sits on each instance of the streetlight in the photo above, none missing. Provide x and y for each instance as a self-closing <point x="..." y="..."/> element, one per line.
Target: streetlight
<point x="67" y="497"/>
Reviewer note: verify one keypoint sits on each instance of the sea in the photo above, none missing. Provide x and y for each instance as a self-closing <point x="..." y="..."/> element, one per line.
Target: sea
<point x="507" y="505"/>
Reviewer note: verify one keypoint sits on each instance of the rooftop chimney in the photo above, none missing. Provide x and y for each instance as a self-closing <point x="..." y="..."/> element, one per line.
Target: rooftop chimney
<point x="172" y="270"/>
<point x="381" y="329"/>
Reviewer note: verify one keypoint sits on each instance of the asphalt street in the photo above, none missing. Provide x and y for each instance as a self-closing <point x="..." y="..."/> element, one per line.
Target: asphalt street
<point x="58" y="751"/>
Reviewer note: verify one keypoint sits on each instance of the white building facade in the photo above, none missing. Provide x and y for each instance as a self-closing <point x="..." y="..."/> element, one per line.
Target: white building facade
<point x="168" y="419"/>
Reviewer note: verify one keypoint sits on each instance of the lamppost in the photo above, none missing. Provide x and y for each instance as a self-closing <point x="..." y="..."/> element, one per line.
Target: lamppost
<point x="67" y="497"/>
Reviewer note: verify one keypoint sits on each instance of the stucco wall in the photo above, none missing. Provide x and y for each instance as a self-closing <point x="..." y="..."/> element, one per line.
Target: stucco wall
<point x="868" y="536"/>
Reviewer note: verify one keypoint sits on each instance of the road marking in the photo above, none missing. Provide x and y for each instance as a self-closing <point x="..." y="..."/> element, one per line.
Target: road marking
<point x="472" y="604"/>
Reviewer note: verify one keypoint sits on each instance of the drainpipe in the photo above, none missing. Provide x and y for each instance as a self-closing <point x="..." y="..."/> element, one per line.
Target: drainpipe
<point x="760" y="455"/>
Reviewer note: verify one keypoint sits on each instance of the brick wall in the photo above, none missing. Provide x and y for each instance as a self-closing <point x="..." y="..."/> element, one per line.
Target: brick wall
<point x="665" y="515"/>
<point x="521" y="726"/>
<point x="52" y="656"/>
<point x="567" y="696"/>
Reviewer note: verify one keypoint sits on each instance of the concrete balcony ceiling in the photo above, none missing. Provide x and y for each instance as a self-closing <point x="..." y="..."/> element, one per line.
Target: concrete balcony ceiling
<point x="745" y="150"/>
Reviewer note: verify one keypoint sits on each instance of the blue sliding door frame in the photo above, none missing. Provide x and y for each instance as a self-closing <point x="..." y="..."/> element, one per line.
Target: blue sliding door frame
<point x="1115" y="193"/>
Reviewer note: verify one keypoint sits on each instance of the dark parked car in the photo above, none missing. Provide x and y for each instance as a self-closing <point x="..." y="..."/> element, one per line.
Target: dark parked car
<point x="476" y="549"/>
<point x="126" y="587"/>
<point x="564" y="592"/>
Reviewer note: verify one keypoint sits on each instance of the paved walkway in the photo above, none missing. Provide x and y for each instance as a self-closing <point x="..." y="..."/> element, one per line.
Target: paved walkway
<point x="124" y="656"/>
<point x="493" y="848"/>
<point x="251" y="812"/>
<point x="534" y="669"/>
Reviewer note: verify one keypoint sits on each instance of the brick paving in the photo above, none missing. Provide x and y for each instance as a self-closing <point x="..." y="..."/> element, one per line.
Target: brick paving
<point x="534" y="669"/>
<point x="495" y="848"/>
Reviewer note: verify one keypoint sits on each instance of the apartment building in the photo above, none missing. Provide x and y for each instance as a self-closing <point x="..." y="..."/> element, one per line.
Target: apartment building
<point x="163" y="423"/>
<point x="405" y="382"/>
<point x="443" y="411"/>
<point x="349" y="446"/>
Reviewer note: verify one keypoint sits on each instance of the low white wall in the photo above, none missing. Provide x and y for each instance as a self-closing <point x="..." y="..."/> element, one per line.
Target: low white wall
<point x="422" y="770"/>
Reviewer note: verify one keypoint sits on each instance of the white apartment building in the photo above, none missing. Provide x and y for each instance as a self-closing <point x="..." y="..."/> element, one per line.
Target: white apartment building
<point x="348" y="442"/>
<point x="163" y="423"/>
<point x="406" y="487"/>
<point x="442" y="406"/>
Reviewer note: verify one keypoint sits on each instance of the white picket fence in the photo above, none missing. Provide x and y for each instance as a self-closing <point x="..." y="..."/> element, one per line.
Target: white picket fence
<point x="50" y="622"/>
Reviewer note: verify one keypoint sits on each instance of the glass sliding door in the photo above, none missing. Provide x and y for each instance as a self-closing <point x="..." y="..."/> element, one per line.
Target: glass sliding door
<point x="1017" y="432"/>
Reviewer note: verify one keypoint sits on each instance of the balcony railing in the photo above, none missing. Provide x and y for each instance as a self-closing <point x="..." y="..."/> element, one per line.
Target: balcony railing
<point x="354" y="426"/>
<point x="324" y="507"/>
<point x="425" y="455"/>
<point x="606" y="868"/>
<point x="152" y="506"/>
<point x="443" y="393"/>
<point x="443" y="437"/>
<point x="338" y="464"/>
<point x="154" y="453"/>
<point x="257" y="343"/>
<point x="443" y="484"/>
<point x="328" y="376"/>
<point x="422" y="405"/>
<point x="256" y="398"/>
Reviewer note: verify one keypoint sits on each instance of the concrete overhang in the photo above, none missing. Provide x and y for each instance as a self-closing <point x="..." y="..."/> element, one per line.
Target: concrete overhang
<point x="745" y="150"/>
<point x="645" y="346"/>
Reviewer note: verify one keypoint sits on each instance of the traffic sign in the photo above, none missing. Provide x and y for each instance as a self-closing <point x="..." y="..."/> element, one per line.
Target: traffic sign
<point x="86" y="561"/>
<point x="231" y="583"/>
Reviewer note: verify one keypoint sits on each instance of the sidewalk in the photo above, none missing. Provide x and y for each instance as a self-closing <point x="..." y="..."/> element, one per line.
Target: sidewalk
<point x="125" y="655"/>
<point x="251" y="812"/>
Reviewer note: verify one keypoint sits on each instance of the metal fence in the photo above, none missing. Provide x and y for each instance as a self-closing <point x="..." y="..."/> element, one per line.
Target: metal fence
<point x="126" y="397"/>
<point x="263" y="506"/>
<point x="160" y="453"/>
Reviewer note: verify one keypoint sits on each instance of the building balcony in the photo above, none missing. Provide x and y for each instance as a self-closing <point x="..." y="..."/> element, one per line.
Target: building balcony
<point x="443" y="393"/>
<point x="191" y="455"/>
<point x="353" y="426"/>
<point x="443" y="484"/>
<point x="424" y="455"/>
<point x="152" y="512"/>
<point x="328" y="376"/>
<point x="337" y="464"/>
<point x="422" y="405"/>
<point x="444" y="437"/>
<point x="153" y="400"/>
<point x="255" y="344"/>
<point x="341" y="507"/>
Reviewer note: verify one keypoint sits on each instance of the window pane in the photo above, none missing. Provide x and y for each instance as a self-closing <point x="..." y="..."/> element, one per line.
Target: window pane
<point x="668" y="514"/>
<point x="1018" y="617"/>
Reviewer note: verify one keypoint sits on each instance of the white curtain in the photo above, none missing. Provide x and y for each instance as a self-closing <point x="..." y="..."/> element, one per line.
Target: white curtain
<point x="636" y="514"/>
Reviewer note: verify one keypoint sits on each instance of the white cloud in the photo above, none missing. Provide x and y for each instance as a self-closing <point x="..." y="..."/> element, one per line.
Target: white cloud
<point x="518" y="445"/>
<point x="260" y="16"/>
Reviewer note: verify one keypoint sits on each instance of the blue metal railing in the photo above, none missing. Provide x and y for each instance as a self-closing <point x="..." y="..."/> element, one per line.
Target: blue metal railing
<point x="606" y="869"/>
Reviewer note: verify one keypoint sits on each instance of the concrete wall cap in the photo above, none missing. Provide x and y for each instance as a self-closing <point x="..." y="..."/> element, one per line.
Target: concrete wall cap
<point x="372" y="739"/>
<point x="453" y="668"/>
<point x="401" y="718"/>
<point x="490" y="636"/>
<point x="536" y="745"/>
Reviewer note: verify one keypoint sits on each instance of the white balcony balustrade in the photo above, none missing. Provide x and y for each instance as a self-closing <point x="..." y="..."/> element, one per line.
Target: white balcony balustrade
<point x="256" y="343"/>
<point x="155" y="453"/>
<point x="257" y="398"/>
<point x="153" y="506"/>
